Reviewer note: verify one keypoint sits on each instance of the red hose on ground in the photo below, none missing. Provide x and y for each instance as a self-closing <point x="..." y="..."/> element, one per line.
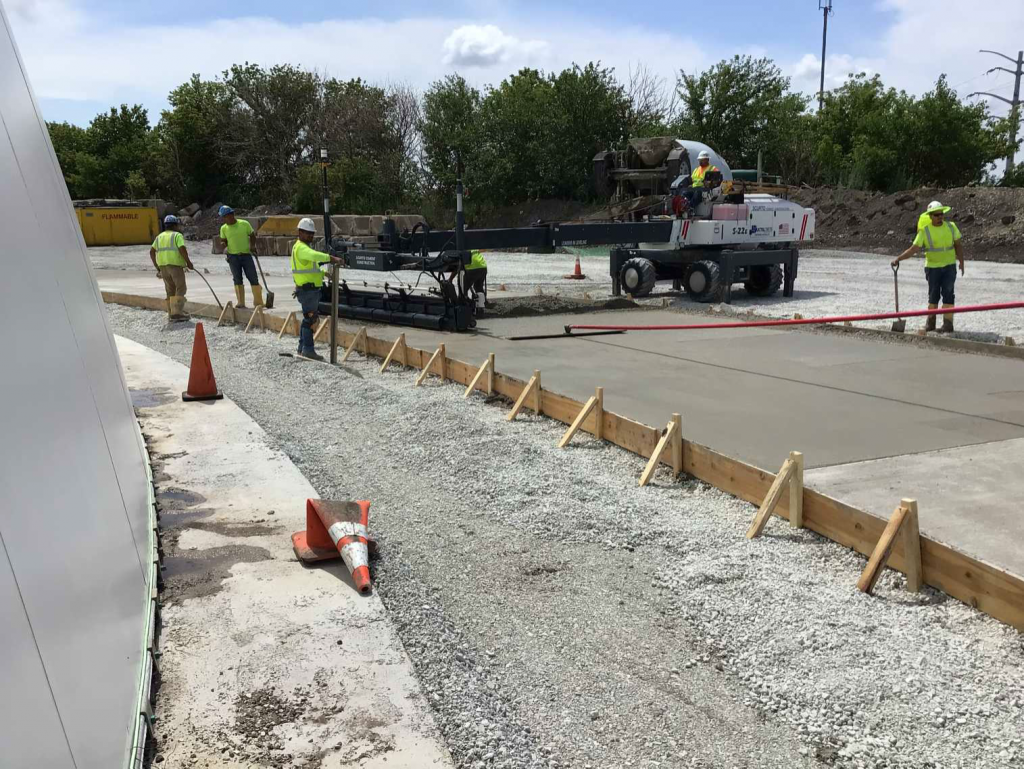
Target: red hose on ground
<point x="808" y="321"/>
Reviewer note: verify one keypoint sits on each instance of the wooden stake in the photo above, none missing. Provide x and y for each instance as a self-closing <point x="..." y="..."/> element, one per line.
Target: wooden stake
<point x="912" y="546"/>
<point x="444" y="363"/>
<point x="400" y="342"/>
<point x="484" y="369"/>
<point x="878" y="559"/>
<point x="323" y="325"/>
<point x="677" y="445"/>
<point x="533" y="383"/>
<point x="599" y="414"/>
<point x="439" y="352"/>
<point x="577" y="423"/>
<point x="771" y="499"/>
<point x="361" y="333"/>
<point x="663" y="444"/>
<point x="252" y="317"/>
<point x="228" y="306"/>
<point x="538" y="402"/>
<point x="284" y="326"/>
<point x="796" y="491"/>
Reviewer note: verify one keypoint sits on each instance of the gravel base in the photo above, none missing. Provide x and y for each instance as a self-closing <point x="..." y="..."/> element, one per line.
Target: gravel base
<point x="558" y="615"/>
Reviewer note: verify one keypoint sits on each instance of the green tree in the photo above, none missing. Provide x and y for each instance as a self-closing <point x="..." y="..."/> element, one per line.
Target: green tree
<point x="739" y="106"/>
<point x="448" y="129"/>
<point x="948" y="142"/>
<point x="193" y="133"/>
<point x="588" y="112"/>
<point x="70" y="143"/>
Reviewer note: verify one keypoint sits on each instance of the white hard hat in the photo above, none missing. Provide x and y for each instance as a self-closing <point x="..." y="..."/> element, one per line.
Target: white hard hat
<point x="936" y="207"/>
<point x="703" y="155"/>
<point x="307" y="225"/>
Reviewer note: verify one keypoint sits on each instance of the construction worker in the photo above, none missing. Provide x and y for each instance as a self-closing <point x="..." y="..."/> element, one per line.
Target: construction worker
<point x="170" y="257"/>
<point x="238" y="239"/>
<point x="476" y="277"/>
<point x="309" y="280"/>
<point x="697" y="178"/>
<point x="940" y="241"/>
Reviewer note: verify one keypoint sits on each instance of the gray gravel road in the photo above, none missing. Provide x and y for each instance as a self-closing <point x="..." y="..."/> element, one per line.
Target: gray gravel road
<point x="560" y="616"/>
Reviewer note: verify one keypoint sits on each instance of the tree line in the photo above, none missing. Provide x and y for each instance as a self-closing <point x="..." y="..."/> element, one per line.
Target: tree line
<point x="253" y="135"/>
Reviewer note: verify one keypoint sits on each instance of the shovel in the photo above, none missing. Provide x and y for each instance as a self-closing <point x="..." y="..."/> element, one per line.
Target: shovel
<point x="900" y="324"/>
<point x="197" y="272"/>
<point x="269" y="301"/>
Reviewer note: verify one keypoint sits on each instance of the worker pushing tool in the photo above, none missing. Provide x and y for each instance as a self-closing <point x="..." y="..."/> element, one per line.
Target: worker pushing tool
<point x="940" y="241"/>
<point x="170" y="257"/>
<point x="309" y="281"/>
<point x="238" y="239"/>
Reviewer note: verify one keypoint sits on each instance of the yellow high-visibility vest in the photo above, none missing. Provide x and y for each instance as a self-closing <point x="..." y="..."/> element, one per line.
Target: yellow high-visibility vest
<point x="477" y="261"/>
<point x="697" y="177"/>
<point x="166" y="246"/>
<point x="938" y="244"/>
<point x="306" y="263"/>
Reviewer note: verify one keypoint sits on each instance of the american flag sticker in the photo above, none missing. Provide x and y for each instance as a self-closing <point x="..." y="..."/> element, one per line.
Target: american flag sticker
<point x="783" y="229"/>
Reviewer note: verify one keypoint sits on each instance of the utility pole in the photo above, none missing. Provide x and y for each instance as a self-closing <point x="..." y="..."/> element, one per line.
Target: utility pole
<point x="1017" y="72"/>
<point x="825" y="6"/>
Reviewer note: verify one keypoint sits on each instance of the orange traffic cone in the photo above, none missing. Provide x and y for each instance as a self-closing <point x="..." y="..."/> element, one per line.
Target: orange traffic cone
<point x="337" y="528"/>
<point x="202" y="386"/>
<point x="577" y="274"/>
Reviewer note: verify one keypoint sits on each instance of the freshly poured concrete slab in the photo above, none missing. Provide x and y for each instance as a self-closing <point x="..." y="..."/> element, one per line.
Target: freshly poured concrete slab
<point x="971" y="497"/>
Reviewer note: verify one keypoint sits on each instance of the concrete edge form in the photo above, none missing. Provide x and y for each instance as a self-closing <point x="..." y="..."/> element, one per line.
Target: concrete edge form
<point x="990" y="589"/>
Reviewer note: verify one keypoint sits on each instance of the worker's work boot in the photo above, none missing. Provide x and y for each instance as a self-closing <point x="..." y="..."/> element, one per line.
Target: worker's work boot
<point x="311" y="355"/>
<point x="170" y="308"/>
<point x="178" y="308"/>
<point x="947" y="321"/>
<point x="257" y="296"/>
<point x="929" y="323"/>
<point x="240" y="297"/>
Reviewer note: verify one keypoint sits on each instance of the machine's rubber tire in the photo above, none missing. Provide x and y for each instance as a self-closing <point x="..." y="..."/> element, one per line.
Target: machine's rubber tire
<point x="638" y="276"/>
<point x="703" y="282"/>
<point x="764" y="280"/>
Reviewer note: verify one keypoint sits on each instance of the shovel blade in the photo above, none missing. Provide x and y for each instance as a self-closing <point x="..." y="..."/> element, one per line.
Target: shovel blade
<point x="899" y="326"/>
<point x="269" y="303"/>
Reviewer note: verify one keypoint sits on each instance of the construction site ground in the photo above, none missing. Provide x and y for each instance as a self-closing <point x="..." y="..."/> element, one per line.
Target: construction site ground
<point x="559" y="616"/>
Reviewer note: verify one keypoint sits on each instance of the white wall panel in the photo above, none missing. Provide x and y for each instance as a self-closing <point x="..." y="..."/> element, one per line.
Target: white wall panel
<point x="74" y="510"/>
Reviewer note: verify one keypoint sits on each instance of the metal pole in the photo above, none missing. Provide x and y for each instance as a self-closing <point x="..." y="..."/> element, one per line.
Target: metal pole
<point x="1015" y="114"/>
<point x="760" y="165"/>
<point x="327" y="199"/>
<point x="334" y="312"/>
<point x="826" y="8"/>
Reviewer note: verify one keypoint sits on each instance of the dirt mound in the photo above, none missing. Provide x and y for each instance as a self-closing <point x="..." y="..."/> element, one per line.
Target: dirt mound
<point x="991" y="218"/>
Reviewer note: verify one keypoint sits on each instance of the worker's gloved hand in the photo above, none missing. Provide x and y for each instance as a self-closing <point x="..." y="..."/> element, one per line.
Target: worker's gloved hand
<point x="895" y="262"/>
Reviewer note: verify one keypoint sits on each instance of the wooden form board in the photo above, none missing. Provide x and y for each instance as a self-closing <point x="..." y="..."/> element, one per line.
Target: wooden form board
<point x="988" y="588"/>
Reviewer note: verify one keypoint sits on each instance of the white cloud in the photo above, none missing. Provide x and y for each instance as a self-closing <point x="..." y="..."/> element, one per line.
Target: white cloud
<point x="484" y="46"/>
<point x="72" y="55"/>
<point x="805" y="74"/>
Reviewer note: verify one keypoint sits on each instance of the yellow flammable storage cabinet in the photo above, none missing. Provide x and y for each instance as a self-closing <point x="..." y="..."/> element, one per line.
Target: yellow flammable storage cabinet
<point x="118" y="226"/>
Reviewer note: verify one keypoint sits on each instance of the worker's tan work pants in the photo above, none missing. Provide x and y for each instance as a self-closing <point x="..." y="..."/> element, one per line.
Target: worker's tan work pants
<point x="174" y="280"/>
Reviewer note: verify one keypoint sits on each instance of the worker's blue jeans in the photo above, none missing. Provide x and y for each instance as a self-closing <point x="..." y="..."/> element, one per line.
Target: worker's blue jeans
<point x="309" y="300"/>
<point x="940" y="283"/>
<point x="240" y="263"/>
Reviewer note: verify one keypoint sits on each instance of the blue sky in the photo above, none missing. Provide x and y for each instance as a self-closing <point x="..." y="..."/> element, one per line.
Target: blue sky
<point x="85" y="55"/>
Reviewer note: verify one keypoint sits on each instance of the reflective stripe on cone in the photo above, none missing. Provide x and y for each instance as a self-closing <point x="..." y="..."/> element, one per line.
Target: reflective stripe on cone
<point x="334" y="529"/>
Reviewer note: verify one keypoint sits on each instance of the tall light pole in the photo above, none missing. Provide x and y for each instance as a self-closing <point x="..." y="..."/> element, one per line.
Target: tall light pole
<point x="1014" y="105"/>
<point x="825" y="6"/>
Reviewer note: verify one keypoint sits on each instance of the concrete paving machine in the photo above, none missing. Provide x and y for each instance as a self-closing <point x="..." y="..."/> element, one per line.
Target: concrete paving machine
<point x="724" y="239"/>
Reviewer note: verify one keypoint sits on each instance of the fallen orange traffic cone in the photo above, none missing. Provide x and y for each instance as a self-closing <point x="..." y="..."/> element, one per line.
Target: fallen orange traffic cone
<point x="337" y="528"/>
<point x="202" y="386"/>
<point x="577" y="273"/>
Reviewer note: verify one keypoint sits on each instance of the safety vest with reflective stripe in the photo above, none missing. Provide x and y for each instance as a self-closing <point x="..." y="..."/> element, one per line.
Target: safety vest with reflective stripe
<point x="166" y="246"/>
<point x="306" y="263"/>
<point x="938" y="244"/>
<point x="697" y="177"/>
<point x="477" y="262"/>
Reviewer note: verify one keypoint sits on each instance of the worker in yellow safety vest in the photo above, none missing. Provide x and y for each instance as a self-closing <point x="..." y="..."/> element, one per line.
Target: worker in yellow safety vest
<point x="940" y="241"/>
<point x="476" y="277"/>
<point x="696" y="191"/>
<point x="170" y="257"/>
<point x="238" y="239"/>
<point x="309" y="281"/>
